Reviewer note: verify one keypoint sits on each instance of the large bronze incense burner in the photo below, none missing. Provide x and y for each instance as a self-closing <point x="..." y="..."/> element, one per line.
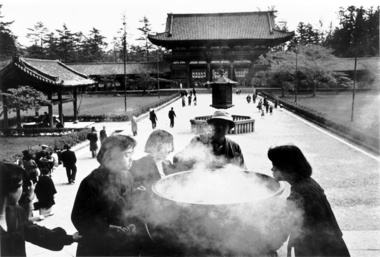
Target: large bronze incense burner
<point x="218" y="212"/>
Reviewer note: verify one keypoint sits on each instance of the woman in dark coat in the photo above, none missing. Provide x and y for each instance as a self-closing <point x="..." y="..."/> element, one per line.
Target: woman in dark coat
<point x="15" y="228"/>
<point x="146" y="171"/>
<point x="101" y="211"/>
<point x="45" y="191"/>
<point x="315" y="231"/>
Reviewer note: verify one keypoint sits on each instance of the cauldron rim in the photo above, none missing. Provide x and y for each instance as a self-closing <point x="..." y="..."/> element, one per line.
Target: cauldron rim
<point x="275" y="193"/>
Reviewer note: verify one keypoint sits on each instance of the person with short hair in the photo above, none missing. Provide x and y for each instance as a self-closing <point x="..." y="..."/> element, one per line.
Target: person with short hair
<point x="316" y="232"/>
<point x="103" y="134"/>
<point x="215" y="145"/>
<point x="93" y="138"/>
<point x="146" y="171"/>
<point x="41" y="154"/>
<point x="15" y="227"/>
<point x="134" y="125"/>
<point x="153" y="118"/>
<point x="171" y="117"/>
<point x="69" y="160"/>
<point x="30" y="166"/>
<point x="154" y="165"/>
<point x="103" y="201"/>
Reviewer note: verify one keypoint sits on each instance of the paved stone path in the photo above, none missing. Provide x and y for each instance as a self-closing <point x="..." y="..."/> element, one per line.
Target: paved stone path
<point x="349" y="175"/>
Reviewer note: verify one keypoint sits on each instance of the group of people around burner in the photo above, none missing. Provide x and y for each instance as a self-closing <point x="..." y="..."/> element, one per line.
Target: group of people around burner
<point x="113" y="202"/>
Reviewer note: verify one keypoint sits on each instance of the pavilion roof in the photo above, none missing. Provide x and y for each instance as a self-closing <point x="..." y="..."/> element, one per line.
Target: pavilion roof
<point x="107" y="69"/>
<point x="49" y="75"/>
<point x="221" y="26"/>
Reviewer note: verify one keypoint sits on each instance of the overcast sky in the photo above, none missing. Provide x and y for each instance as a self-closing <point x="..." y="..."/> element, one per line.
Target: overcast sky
<point x="106" y="15"/>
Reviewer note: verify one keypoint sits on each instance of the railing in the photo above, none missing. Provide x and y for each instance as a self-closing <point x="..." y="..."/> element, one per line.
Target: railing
<point x="243" y="124"/>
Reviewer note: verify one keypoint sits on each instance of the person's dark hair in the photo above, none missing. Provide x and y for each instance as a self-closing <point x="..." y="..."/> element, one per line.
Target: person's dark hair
<point x="10" y="177"/>
<point x="27" y="155"/>
<point x="93" y="129"/>
<point x="157" y="138"/>
<point x="290" y="159"/>
<point x="45" y="171"/>
<point x="124" y="142"/>
<point x="66" y="146"/>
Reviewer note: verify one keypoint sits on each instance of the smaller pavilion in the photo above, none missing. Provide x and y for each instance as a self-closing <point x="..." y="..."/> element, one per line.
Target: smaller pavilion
<point x="58" y="81"/>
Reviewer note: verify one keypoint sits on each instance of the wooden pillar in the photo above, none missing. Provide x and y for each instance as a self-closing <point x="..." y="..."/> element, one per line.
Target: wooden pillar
<point x="18" y="113"/>
<point x="208" y="72"/>
<point x="231" y="70"/>
<point x="188" y="77"/>
<point x="75" y="104"/>
<point x="4" y="99"/>
<point x="50" y="108"/>
<point x="60" y="111"/>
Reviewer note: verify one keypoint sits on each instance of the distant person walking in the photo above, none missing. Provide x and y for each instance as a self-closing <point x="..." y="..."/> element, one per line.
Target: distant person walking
<point x="183" y="101"/>
<point x="153" y="118"/>
<point x="134" y="125"/>
<point x="189" y="98"/>
<point x="41" y="154"/>
<point x="103" y="134"/>
<point x="171" y="117"/>
<point x="69" y="160"/>
<point x="195" y="100"/>
<point x="93" y="138"/>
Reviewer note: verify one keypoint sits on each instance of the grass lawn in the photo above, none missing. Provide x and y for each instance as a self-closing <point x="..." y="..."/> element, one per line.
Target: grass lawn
<point x="100" y="105"/>
<point x="10" y="146"/>
<point x="338" y="107"/>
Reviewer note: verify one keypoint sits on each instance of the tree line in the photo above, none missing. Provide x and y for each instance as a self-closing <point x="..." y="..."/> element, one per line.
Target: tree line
<point x="76" y="47"/>
<point x="305" y="61"/>
<point x="358" y="32"/>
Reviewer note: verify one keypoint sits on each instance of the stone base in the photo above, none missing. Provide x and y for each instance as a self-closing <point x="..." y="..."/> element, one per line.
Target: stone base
<point x="224" y="106"/>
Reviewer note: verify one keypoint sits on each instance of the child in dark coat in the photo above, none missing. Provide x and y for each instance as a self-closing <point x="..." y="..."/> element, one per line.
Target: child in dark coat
<point x="45" y="191"/>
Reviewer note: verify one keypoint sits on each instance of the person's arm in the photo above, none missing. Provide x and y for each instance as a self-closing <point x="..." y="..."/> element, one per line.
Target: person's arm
<point x="52" y="239"/>
<point x="74" y="158"/>
<point x="91" y="224"/>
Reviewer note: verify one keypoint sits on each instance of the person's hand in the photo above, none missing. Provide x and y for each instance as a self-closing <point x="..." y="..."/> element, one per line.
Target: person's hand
<point x="117" y="233"/>
<point x="131" y="229"/>
<point x="77" y="237"/>
<point x="141" y="188"/>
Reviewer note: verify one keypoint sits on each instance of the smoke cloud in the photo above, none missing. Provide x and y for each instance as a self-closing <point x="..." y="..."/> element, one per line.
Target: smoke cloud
<point x="225" y="211"/>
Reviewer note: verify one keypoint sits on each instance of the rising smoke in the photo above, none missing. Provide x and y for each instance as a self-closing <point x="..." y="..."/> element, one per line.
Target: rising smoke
<point x="220" y="210"/>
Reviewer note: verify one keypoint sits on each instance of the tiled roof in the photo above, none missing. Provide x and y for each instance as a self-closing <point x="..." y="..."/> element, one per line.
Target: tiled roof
<point x="220" y="26"/>
<point x="48" y="71"/>
<point x="106" y="69"/>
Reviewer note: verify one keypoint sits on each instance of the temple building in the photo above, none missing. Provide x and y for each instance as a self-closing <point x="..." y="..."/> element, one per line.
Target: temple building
<point x="200" y="44"/>
<point x="56" y="80"/>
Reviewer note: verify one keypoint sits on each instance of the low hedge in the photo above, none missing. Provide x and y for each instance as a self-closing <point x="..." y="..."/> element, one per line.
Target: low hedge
<point x="70" y="139"/>
<point x="353" y="135"/>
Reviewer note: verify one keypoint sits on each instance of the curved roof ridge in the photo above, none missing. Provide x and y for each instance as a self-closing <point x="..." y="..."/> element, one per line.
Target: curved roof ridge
<point x="220" y="13"/>
<point x="32" y="73"/>
<point x="43" y="60"/>
<point x="36" y="70"/>
<point x="72" y="70"/>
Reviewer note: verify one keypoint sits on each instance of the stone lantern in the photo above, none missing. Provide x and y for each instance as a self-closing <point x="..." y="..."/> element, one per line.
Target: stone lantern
<point x="222" y="92"/>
